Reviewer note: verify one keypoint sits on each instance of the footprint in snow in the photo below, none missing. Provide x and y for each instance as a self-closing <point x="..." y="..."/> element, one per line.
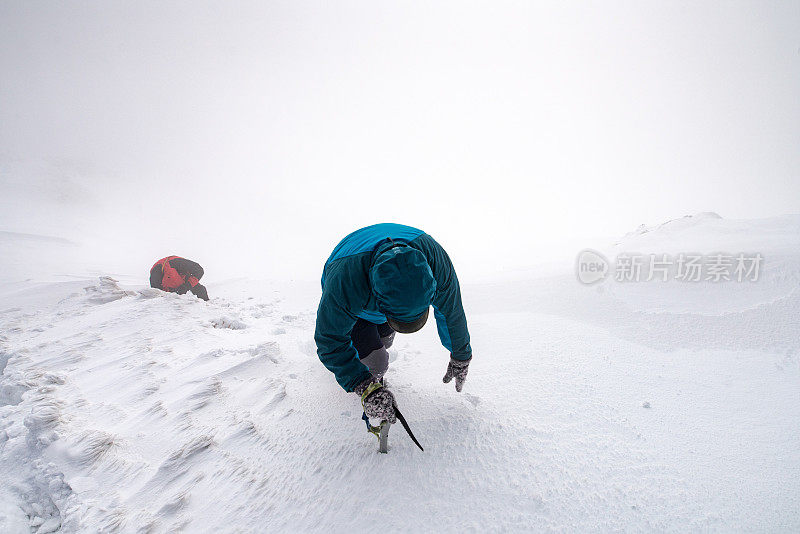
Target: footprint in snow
<point x="227" y="322"/>
<point x="472" y="399"/>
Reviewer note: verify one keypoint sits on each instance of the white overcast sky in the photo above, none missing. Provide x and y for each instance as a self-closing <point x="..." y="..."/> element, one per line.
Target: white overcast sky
<point x="253" y="135"/>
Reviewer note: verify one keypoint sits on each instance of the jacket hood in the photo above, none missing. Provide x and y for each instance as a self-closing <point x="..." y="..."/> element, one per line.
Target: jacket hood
<point x="402" y="282"/>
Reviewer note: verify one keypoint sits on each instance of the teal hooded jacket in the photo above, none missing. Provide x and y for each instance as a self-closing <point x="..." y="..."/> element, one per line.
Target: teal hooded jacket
<point x="349" y="292"/>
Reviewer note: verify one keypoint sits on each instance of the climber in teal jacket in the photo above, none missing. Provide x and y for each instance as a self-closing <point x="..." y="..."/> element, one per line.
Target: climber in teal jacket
<point x="380" y="280"/>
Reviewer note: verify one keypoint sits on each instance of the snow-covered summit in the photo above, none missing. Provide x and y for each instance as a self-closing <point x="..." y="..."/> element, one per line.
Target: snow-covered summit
<point x="685" y="221"/>
<point x="775" y="241"/>
<point x="708" y="232"/>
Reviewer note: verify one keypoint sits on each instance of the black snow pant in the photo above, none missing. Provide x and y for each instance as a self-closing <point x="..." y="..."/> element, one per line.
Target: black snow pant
<point x="371" y="341"/>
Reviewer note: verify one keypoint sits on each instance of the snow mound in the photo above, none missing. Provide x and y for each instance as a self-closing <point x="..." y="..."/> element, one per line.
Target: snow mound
<point x="708" y="233"/>
<point x="227" y="322"/>
<point x="776" y="240"/>
<point x="95" y="389"/>
<point x="686" y="221"/>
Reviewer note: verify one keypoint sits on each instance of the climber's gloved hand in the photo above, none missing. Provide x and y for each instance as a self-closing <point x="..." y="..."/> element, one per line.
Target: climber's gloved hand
<point x="457" y="369"/>
<point x="377" y="400"/>
<point x="200" y="291"/>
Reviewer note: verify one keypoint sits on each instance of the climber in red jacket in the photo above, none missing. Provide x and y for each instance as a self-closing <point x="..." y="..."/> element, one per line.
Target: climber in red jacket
<point x="178" y="275"/>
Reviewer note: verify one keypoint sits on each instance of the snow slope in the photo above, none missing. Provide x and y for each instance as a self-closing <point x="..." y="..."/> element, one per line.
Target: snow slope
<point x="640" y="407"/>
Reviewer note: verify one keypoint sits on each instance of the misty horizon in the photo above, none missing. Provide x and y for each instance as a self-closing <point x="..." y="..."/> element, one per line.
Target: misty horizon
<point x="267" y="132"/>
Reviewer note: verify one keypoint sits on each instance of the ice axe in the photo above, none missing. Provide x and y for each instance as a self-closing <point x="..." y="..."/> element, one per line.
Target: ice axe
<point x="381" y="432"/>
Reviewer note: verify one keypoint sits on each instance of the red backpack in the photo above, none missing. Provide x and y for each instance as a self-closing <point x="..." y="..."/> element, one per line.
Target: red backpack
<point x="171" y="278"/>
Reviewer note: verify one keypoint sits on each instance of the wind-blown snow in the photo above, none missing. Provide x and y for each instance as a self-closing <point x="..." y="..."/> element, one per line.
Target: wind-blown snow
<point x="640" y="407"/>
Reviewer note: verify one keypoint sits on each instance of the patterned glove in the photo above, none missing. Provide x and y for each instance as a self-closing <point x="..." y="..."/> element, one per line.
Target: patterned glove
<point x="457" y="369"/>
<point x="378" y="401"/>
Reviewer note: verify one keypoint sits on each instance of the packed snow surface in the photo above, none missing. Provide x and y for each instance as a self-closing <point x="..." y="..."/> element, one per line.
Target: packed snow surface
<point x="654" y="406"/>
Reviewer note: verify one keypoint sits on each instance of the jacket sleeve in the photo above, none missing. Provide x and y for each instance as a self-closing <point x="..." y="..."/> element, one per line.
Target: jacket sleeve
<point x="335" y="321"/>
<point x="156" y="274"/>
<point x="199" y="291"/>
<point x="187" y="267"/>
<point x="451" y="321"/>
